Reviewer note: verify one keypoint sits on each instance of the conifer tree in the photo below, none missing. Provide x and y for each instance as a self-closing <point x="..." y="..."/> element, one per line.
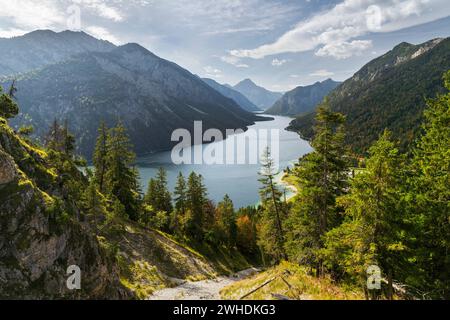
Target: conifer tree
<point x="180" y="194"/>
<point x="93" y="203"/>
<point x="121" y="180"/>
<point x="8" y="108"/>
<point x="430" y="192"/>
<point x="180" y="198"/>
<point x="100" y="156"/>
<point x="158" y="194"/>
<point x="159" y="198"/>
<point x="196" y="199"/>
<point x="322" y="177"/>
<point x="227" y="216"/>
<point x="271" y="236"/>
<point x="373" y="230"/>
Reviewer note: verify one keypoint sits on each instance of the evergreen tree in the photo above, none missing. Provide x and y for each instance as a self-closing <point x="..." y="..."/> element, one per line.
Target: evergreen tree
<point x="227" y="220"/>
<point x="196" y="200"/>
<point x="163" y="196"/>
<point x="121" y="180"/>
<point x="100" y="156"/>
<point x="373" y="231"/>
<point x="159" y="197"/>
<point x="8" y="108"/>
<point x="59" y="139"/>
<point x="271" y="236"/>
<point x="430" y="194"/>
<point x="93" y="204"/>
<point x="180" y="198"/>
<point x="322" y="177"/>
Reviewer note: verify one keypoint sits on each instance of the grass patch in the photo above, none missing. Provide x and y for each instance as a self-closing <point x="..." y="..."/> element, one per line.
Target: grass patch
<point x="301" y="286"/>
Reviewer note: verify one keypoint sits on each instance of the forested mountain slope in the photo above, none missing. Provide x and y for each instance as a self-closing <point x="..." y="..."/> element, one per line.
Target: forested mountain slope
<point x="151" y="96"/>
<point x="303" y="99"/>
<point x="388" y="93"/>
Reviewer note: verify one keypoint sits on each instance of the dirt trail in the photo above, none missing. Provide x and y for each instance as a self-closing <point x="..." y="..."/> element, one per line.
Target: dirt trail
<point x="201" y="290"/>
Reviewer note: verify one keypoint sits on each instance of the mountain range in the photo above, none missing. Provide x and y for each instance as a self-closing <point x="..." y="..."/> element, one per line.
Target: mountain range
<point x="39" y="48"/>
<point x="229" y="92"/>
<point x="259" y="96"/>
<point x="303" y="99"/>
<point x="100" y="81"/>
<point x="389" y="92"/>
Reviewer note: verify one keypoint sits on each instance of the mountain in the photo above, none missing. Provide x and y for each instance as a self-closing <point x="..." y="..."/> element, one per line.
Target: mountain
<point x="39" y="236"/>
<point x="39" y="48"/>
<point x="388" y="93"/>
<point x="302" y="100"/>
<point x="259" y="96"/>
<point x="150" y="95"/>
<point x="229" y="92"/>
<point x="45" y="228"/>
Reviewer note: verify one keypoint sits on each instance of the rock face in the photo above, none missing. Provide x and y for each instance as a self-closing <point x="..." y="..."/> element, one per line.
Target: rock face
<point x="302" y="100"/>
<point x="8" y="172"/>
<point x="38" y="242"/>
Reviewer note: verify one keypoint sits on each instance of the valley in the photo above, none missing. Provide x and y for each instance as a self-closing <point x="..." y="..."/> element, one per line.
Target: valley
<point x="214" y="160"/>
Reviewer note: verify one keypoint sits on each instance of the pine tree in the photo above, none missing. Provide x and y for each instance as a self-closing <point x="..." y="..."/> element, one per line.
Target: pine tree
<point x="373" y="231"/>
<point x="8" y="108"/>
<point x="227" y="220"/>
<point x="271" y="236"/>
<point x="93" y="204"/>
<point x="322" y="177"/>
<point x="59" y="139"/>
<point x="100" y="156"/>
<point x="159" y="197"/>
<point x="180" y="195"/>
<point x="121" y="180"/>
<point x="431" y="197"/>
<point x="196" y="200"/>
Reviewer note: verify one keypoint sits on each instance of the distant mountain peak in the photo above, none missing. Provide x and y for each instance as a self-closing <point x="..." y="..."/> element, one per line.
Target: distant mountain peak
<point x="303" y="99"/>
<point x="233" y="94"/>
<point x="248" y="80"/>
<point x="44" y="47"/>
<point x="132" y="46"/>
<point x="258" y="95"/>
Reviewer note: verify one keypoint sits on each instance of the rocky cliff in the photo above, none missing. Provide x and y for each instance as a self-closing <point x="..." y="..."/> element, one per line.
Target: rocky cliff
<point x="41" y="234"/>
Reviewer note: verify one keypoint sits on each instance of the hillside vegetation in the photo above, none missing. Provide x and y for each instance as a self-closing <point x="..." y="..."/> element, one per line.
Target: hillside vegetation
<point x="389" y="92"/>
<point x="52" y="216"/>
<point x="303" y="99"/>
<point x="288" y="280"/>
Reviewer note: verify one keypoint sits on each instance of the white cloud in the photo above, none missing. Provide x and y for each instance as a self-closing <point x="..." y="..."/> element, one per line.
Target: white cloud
<point x="102" y="9"/>
<point x="212" y="72"/>
<point x="321" y="73"/>
<point x="235" y="61"/>
<point x="294" y="76"/>
<point x="332" y="30"/>
<point x="30" y="15"/>
<point x="102" y="33"/>
<point x="344" y="50"/>
<point x="11" y="32"/>
<point x="228" y="16"/>
<point x="22" y="16"/>
<point x="278" y="63"/>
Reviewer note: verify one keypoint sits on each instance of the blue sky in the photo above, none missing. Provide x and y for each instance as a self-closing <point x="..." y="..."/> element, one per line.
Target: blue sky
<point x="279" y="44"/>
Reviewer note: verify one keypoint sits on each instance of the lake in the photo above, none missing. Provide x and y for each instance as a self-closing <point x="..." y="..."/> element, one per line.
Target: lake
<point x="239" y="181"/>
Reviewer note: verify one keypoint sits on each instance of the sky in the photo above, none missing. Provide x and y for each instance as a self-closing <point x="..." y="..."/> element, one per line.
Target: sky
<point x="279" y="44"/>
